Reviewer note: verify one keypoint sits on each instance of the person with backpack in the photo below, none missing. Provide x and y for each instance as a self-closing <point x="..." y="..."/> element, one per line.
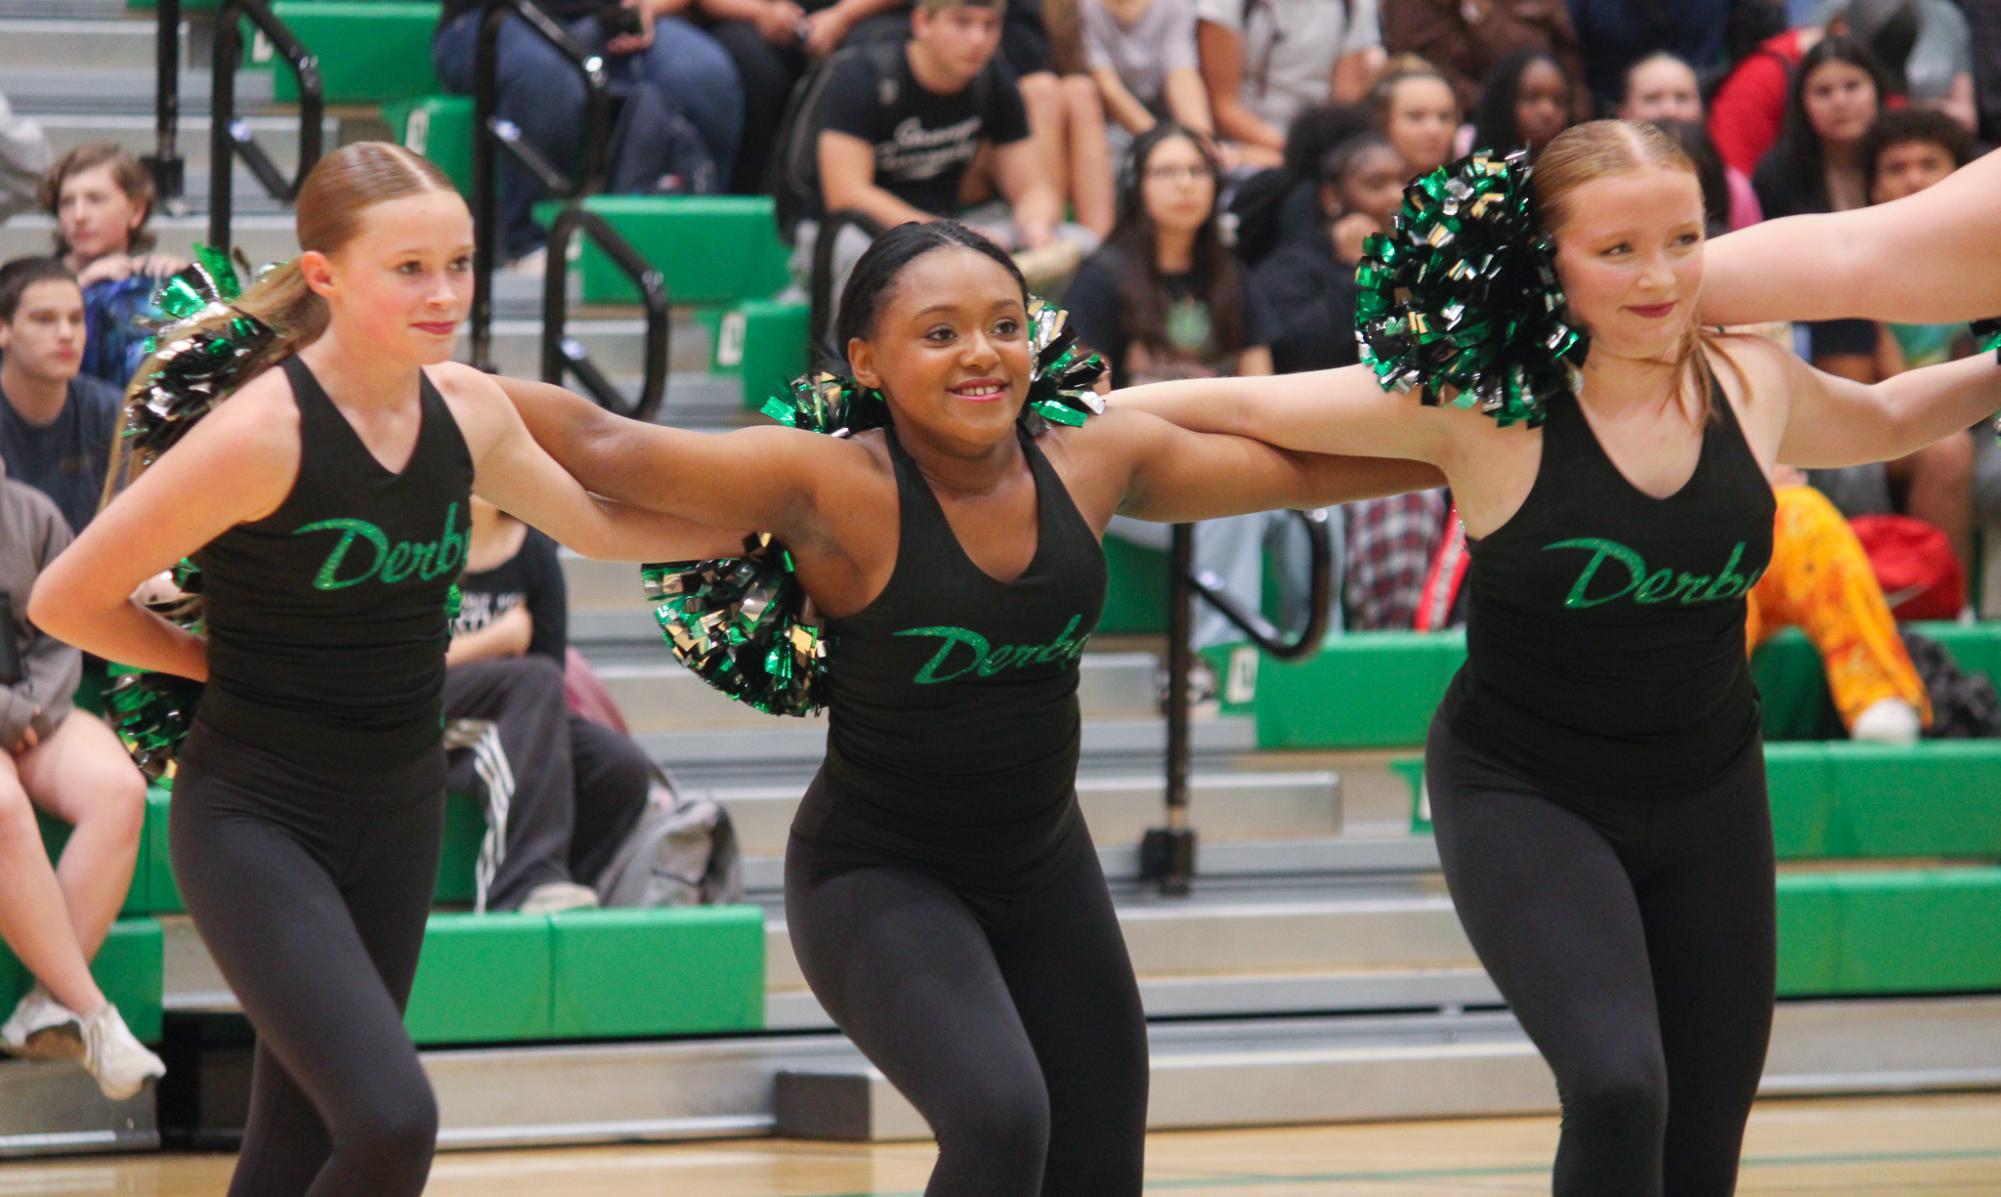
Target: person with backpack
<point x="679" y="102"/>
<point x="1266" y="61"/>
<point x="896" y="127"/>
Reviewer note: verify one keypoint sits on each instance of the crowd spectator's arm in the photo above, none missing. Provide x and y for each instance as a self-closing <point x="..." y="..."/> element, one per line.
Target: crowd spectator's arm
<point x="1120" y="103"/>
<point x="1188" y="100"/>
<point x="827" y="27"/>
<point x="505" y="637"/>
<point x="1361" y="57"/>
<point x="1221" y="52"/>
<point x="776" y="21"/>
<point x="1958" y="102"/>
<point x="847" y="180"/>
<point x="1033" y="199"/>
<point x="50" y="669"/>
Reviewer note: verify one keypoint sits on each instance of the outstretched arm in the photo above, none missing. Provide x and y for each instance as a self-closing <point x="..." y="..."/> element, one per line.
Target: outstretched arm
<point x="1341" y="411"/>
<point x="1174" y="476"/>
<point x="766" y="478"/>
<point x="1929" y="258"/>
<point x="1837" y="422"/>
<point x="516" y="475"/>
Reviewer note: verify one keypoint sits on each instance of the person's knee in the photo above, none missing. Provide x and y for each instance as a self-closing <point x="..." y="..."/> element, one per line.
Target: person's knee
<point x="17" y="816"/>
<point x="1080" y="97"/>
<point x="1619" y="1098"/>
<point x="1041" y="92"/>
<point x="1004" y="1120"/>
<point x="400" y="1124"/>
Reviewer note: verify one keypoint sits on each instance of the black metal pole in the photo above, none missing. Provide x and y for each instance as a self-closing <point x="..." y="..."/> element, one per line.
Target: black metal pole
<point x="1167" y="854"/>
<point x="485" y="194"/>
<point x="222" y="113"/>
<point x="164" y="164"/>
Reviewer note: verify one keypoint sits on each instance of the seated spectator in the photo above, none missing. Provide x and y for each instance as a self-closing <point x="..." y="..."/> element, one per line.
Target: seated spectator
<point x="1905" y="152"/>
<point x="1816" y="164"/>
<point x="1264" y="63"/>
<point x="56" y="424"/>
<point x="561" y="791"/>
<point x="1749" y="109"/>
<point x="24" y="155"/>
<point x="68" y="763"/>
<point x="1392" y="544"/>
<point x="1420" y="116"/>
<point x="773" y="44"/>
<point x="1820" y="580"/>
<point x="683" y="103"/>
<point x="898" y="135"/>
<point x="1142" y="57"/>
<point x="1525" y="105"/>
<point x="1467" y="39"/>
<point x="101" y="198"/>
<point x="1166" y="299"/>
<point x="1305" y="291"/>
<point x="1066" y="117"/>
<point x="1662" y="88"/>
<point x="1617" y="33"/>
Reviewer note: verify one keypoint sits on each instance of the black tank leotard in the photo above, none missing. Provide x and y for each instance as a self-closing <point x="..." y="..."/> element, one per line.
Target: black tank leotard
<point x="307" y="810"/>
<point x="1598" y="788"/>
<point x="943" y="896"/>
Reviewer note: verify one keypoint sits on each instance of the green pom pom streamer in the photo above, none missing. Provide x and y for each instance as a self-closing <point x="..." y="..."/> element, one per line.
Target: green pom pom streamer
<point x="1463" y="297"/>
<point x="742" y="624"/>
<point x="185" y="377"/>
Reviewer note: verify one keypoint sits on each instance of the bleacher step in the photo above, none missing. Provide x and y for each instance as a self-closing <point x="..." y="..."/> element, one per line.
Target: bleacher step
<point x="1224" y="1075"/>
<point x="128" y="47"/>
<point x="57" y="1109"/>
<point x="1118" y="807"/>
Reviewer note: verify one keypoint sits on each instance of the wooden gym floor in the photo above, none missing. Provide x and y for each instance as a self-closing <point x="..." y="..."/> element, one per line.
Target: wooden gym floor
<point x="1932" y="1146"/>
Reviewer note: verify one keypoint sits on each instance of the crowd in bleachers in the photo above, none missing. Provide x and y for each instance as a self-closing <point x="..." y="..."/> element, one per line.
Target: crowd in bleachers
<point x="1198" y="177"/>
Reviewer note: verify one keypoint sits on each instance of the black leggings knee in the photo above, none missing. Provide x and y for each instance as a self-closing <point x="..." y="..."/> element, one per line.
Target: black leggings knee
<point x="1634" y="939"/>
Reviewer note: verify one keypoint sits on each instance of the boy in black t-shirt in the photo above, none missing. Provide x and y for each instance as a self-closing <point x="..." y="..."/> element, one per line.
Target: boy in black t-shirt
<point x="896" y="145"/>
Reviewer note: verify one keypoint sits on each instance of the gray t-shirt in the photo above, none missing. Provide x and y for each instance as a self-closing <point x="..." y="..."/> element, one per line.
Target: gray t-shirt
<point x="1160" y="40"/>
<point x="1291" y="46"/>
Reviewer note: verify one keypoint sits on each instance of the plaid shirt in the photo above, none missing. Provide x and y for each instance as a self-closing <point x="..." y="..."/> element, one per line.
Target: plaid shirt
<point x="1390" y="546"/>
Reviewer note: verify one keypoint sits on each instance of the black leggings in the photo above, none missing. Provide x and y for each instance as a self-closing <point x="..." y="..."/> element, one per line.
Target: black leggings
<point x="1634" y="939"/>
<point x="1010" y="1020"/>
<point x="312" y="896"/>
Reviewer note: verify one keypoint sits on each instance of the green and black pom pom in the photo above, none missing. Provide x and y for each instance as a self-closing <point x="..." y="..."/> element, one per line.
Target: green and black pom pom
<point x="743" y="624"/>
<point x="1462" y="297"/>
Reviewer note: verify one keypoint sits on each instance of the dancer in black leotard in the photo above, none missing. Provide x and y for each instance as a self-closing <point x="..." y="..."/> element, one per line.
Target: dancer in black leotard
<point x="1596" y="773"/>
<point x="326" y="504"/>
<point x="942" y="892"/>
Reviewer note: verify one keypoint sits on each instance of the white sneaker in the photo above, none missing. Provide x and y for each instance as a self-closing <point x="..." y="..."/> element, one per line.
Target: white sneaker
<point x="554" y="897"/>
<point x="120" y="1062"/>
<point x="1887" y="721"/>
<point x="42" y="1028"/>
<point x="533" y="264"/>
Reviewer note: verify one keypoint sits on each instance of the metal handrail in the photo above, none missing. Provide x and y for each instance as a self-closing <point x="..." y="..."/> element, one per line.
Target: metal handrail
<point x="164" y="163"/>
<point x="490" y="131"/>
<point x="561" y="353"/>
<point x="1167" y="854"/>
<point x="230" y="136"/>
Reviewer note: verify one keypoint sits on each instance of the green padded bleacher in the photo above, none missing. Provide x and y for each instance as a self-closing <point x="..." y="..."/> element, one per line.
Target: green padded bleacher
<point x="710" y="249"/>
<point x="368" y="50"/>
<point x="763" y="343"/>
<point x="439" y="128"/>
<point x="130" y="969"/>
<point x="1895" y="931"/>
<point x="1318" y="703"/>
<point x="597" y="974"/>
<point x="1845" y="801"/>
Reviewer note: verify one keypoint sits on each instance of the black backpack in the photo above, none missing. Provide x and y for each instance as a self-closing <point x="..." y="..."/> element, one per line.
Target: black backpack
<point x="792" y="174"/>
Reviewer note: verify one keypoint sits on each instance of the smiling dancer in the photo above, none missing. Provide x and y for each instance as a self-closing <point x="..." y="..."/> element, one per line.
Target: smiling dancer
<point x="942" y="891"/>
<point x="1595" y="770"/>
<point x="326" y="505"/>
